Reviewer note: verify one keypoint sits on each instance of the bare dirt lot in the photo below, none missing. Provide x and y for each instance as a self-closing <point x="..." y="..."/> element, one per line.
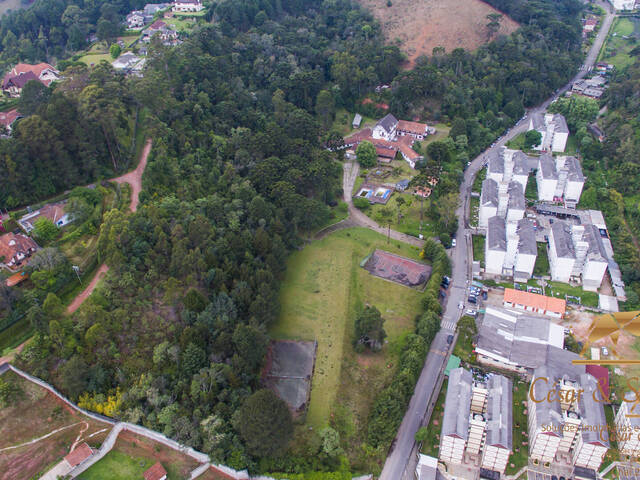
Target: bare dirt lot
<point x="421" y="25"/>
<point x="32" y="414"/>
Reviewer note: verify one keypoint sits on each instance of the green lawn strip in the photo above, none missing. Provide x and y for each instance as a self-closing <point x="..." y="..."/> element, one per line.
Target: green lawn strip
<point x="520" y="456"/>
<point x="613" y="454"/>
<point x="467" y="330"/>
<point x="572" y="146"/>
<point x="442" y="132"/>
<point x="13" y="336"/>
<point x="531" y="192"/>
<point x="128" y="40"/>
<point x="559" y="290"/>
<point x="323" y="284"/>
<point x="117" y="466"/>
<point x="431" y="445"/>
<point x="95" y="59"/>
<point x="517" y="142"/>
<point x="541" y="266"/>
<point x="474" y="210"/>
<point x="478" y="248"/>
<point x="477" y="182"/>
<point x="343" y="122"/>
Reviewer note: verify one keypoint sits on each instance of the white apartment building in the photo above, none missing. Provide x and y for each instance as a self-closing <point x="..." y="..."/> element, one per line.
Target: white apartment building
<point x="592" y="442"/>
<point x="623" y="4"/>
<point x="498" y="443"/>
<point x="526" y="250"/>
<point x="570" y="180"/>
<point x="546" y="178"/>
<point x="187" y="6"/>
<point x="553" y="129"/>
<point x="488" y="202"/>
<point x="625" y="424"/>
<point x="495" y="245"/>
<point x="506" y="165"/>
<point x="577" y="253"/>
<point x="427" y="467"/>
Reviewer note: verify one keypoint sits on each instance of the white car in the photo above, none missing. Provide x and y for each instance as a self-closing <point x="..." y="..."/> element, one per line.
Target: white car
<point x="453" y="242"/>
<point x="471" y="312"/>
<point x="461" y="305"/>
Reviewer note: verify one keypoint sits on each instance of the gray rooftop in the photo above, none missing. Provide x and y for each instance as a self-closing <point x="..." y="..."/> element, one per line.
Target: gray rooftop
<point x="497" y="234"/>
<point x="388" y="122"/>
<point x="574" y="170"/>
<point x="522" y="163"/>
<point x="457" y="404"/>
<point x="548" y="167"/>
<point x="538" y="121"/>
<point x="516" y="196"/>
<point x="594" y="239"/>
<point x="489" y="195"/>
<point x="499" y="412"/>
<point x="592" y="411"/>
<point x="496" y="162"/>
<point x="526" y="237"/>
<point x="560" y="124"/>
<point x="548" y="414"/>
<point x="562" y="239"/>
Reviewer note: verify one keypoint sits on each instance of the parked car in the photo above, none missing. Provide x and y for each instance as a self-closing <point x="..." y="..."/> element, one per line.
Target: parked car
<point x="472" y="299"/>
<point x="485" y="295"/>
<point x="470" y="312"/>
<point x="453" y="242"/>
<point x="449" y="339"/>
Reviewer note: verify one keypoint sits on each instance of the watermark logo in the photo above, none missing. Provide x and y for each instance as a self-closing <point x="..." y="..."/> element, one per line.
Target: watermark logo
<point x="611" y="325"/>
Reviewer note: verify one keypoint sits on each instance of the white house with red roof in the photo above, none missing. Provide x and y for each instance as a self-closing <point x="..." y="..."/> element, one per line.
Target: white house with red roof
<point x="19" y="75"/>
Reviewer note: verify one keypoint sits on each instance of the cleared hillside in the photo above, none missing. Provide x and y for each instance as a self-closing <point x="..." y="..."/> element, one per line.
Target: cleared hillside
<point x="421" y="25"/>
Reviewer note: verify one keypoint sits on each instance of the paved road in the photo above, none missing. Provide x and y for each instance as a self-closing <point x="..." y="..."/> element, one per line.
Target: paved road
<point x="402" y="460"/>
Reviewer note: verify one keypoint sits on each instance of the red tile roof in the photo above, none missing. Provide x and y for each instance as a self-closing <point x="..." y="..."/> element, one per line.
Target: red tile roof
<point x="7" y="118"/>
<point x="155" y="473"/>
<point x="386" y="152"/>
<point x="412" y="127"/>
<point x="16" y="278"/>
<point x="408" y="151"/>
<point x="79" y="454"/>
<point x="12" y="244"/>
<point x="538" y="302"/>
<point x="37" y="69"/>
<point x="157" y="25"/>
<point x="601" y="374"/>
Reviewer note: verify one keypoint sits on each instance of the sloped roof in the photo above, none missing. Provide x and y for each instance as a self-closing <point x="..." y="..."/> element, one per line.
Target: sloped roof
<point x="489" y="195"/>
<point x="592" y="411"/>
<point x="516" y="195"/>
<point x="538" y="121"/>
<point x="19" y="80"/>
<point x="156" y="472"/>
<point x="12" y="244"/>
<point x="7" y="118"/>
<point x="560" y="124"/>
<point x="496" y="161"/>
<point x="541" y="302"/>
<point x="547" y="167"/>
<point x="562" y="240"/>
<point x="457" y="404"/>
<point x="499" y="412"/>
<point x="497" y="234"/>
<point x="387" y="122"/>
<point x="574" y="170"/>
<point x="526" y="237"/>
<point x="79" y="454"/>
<point x="413" y="127"/>
<point x="522" y="163"/>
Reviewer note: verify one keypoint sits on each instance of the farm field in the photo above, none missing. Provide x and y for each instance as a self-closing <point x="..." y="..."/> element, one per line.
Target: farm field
<point x="420" y="26"/>
<point x="133" y="454"/>
<point x="323" y="288"/>
<point x="31" y="414"/>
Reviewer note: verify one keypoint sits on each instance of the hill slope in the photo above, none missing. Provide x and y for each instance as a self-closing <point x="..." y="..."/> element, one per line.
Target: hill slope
<point x="421" y="25"/>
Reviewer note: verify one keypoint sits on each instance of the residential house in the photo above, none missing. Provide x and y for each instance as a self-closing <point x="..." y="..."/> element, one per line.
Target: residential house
<point x="385" y="129"/>
<point x="535" y="303"/>
<point x="623" y="4"/>
<point x="127" y="62"/>
<point x="553" y="129"/>
<point x="495" y="245"/>
<point x="15" y="249"/>
<point x="78" y="455"/>
<point x="7" y="119"/>
<point x="589" y="25"/>
<point x="357" y="120"/>
<point x="409" y="154"/>
<point x="156" y="472"/>
<point x="166" y="33"/>
<point x="150" y="9"/>
<point x="628" y="420"/>
<point x="187" y="6"/>
<point x="402" y="185"/>
<point x="136" y="20"/>
<point x="416" y="130"/>
<point x="19" y="75"/>
<point x="52" y="211"/>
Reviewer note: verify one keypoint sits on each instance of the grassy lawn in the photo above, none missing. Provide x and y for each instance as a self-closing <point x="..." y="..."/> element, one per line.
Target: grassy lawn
<point x="431" y="445"/>
<point x="323" y="288"/>
<point x="343" y="120"/>
<point x="13" y="336"/>
<point x="442" y="132"/>
<point x="519" y="457"/>
<point x="541" y="266"/>
<point x="133" y="454"/>
<point x="474" y="207"/>
<point x="477" y="182"/>
<point x="531" y="192"/>
<point x="467" y="330"/>
<point x="622" y="38"/>
<point x="180" y="23"/>
<point x="516" y="143"/>
<point x="557" y="289"/>
<point x="478" y="248"/>
<point x="409" y="221"/>
<point x="95" y="59"/>
<point x="572" y="145"/>
<point x="128" y="40"/>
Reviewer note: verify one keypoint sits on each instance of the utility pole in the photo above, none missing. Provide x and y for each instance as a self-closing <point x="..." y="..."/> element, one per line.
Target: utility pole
<point x="76" y="269"/>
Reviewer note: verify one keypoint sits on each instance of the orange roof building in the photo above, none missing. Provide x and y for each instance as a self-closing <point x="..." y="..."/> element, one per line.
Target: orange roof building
<point x="78" y="455"/>
<point x="16" y="278"/>
<point x="415" y="129"/>
<point x="532" y="302"/>
<point x="157" y="472"/>
<point x="15" y="79"/>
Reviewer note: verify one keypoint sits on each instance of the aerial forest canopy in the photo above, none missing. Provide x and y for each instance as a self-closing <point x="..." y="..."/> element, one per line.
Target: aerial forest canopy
<point x="176" y="336"/>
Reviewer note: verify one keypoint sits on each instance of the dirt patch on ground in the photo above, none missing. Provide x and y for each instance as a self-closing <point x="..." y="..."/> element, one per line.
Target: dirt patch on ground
<point x="89" y="290"/>
<point x="137" y="446"/>
<point x="134" y="178"/>
<point x="421" y="25"/>
<point x="397" y="269"/>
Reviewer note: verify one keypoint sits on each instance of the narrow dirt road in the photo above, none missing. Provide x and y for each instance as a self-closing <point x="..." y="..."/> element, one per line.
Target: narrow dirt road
<point x="87" y="291"/>
<point x="134" y="178"/>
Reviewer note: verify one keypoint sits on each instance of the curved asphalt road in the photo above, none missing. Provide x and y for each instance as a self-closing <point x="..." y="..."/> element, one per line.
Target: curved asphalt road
<point x="401" y="462"/>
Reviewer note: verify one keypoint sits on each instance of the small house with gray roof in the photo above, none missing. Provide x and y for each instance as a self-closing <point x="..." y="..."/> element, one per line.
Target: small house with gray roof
<point x="455" y="422"/>
<point x="499" y="435"/>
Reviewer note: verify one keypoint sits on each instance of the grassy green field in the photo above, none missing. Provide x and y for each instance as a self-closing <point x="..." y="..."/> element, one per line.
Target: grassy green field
<point x="95" y="59"/>
<point x="13" y="336"/>
<point x="519" y="457"/>
<point x="541" y="266"/>
<point x="117" y="466"/>
<point x="409" y="220"/>
<point x="128" y="40"/>
<point x="478" y="248"/>
<point x="442" y="131"/>
<point x="623" y="38"/>
<point x="343" y="120"/>
<point x="557" y="289"/>
<point x="467" y="331"/>
<point x="323" y="288"/>
<point x="180" y="23"/>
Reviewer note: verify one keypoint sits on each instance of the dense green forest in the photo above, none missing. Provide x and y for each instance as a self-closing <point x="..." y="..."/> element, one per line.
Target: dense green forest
<point x="239" y="113"/>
